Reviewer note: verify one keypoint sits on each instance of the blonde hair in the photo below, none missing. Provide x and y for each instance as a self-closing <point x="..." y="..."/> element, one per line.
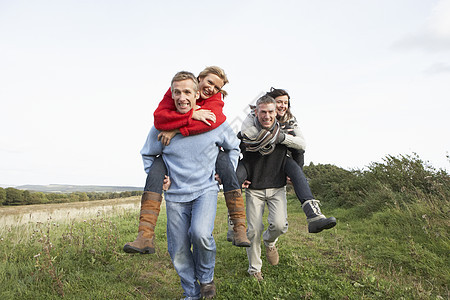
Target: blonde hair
<point x="184" y="75"/>
<point x="219" y="72"/>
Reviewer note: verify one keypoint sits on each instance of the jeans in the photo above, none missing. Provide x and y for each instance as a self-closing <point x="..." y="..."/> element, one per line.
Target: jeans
<point x="241" y="173"/>
<point x="155" y="176"/>
<point x="191" y="224"/>
<point x="298" y="156"/>
<point x="277" y="220"/>
<point x="226" y="172"/>
<point x="298" y="179"/>
<point x="224" y="169"/>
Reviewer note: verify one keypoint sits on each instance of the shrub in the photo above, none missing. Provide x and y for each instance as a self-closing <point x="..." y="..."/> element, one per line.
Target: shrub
<point x="395" y="181"/>
<point x="409" y="175"/>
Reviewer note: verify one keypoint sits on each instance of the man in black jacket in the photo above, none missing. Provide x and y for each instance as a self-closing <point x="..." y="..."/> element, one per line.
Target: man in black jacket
<point x="264" y="156"/>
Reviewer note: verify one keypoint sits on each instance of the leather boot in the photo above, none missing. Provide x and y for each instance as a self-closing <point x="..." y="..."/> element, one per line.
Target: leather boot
<point x="236" y="210"/>
<point x="316" y="220"/>
<point x="150" y="207"/>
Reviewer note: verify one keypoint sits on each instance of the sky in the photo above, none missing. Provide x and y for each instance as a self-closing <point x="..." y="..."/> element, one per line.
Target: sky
<point x="79" y="80"/>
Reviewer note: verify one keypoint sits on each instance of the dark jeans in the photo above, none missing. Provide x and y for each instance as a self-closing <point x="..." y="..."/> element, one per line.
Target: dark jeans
<point x="298" y="179"/>
<point x="298" y="156"/>
<point x="155" y="176"/>
<point x="224" y="168"/>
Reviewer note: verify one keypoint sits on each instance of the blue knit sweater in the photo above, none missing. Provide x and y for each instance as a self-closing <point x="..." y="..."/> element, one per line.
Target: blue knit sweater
<point x="191" y="160"/>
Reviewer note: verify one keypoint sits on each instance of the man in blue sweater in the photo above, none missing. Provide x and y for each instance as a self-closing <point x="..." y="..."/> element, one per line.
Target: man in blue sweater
<point x="191" y="200"/>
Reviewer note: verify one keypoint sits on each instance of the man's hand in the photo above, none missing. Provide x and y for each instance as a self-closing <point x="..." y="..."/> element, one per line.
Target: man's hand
<point x="166" y="183"/>
<point x="204" y="115"/>
<point x="246" y="184"/>
<point x="217" y="178"/>
<point x="288" y="180"/>
<point x="166" y="136"/>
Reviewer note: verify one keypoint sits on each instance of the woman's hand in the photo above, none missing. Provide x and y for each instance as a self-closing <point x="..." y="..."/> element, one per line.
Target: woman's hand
<point x="204" y="115"/>
<point x="166" y="136"/>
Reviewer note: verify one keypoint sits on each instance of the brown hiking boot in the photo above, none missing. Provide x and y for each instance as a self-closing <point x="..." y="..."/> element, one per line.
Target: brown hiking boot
<point x="208" y="290"/>
<point x="258" y="276"/>
<point x="150" y="207"/>
<point x="140" y="245"/>
<point x="236" y="210"/>
<point x="272" y="255"/>
<point x="240" y="236"/>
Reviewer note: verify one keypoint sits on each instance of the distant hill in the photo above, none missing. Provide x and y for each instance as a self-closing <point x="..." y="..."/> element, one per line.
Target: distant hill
<point x="63" y="188"/>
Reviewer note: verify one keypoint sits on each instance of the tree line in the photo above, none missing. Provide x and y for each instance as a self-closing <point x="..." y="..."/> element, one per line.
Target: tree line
<point x="12" y="196"/>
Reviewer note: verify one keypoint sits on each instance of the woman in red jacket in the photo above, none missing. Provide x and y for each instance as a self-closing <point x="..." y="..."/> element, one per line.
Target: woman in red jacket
<point x="170" y="122"/>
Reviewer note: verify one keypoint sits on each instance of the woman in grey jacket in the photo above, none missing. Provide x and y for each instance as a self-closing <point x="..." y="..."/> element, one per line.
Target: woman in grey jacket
<point x="294" y="140"/>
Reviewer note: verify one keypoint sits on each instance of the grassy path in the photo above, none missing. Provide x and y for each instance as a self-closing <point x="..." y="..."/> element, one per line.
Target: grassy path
<point x="84" y="260"/>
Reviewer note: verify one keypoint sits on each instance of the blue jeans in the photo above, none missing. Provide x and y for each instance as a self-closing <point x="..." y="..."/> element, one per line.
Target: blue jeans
<point x="298" y="179"/>
<point x="224" y="168"/>
<point x="191" y="224"/>
<point x="226" y="172"/>
<point x="155" y="176"/>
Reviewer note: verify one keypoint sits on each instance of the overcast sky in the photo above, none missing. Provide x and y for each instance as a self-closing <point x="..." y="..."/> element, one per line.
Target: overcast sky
<point x="79" y="80"/>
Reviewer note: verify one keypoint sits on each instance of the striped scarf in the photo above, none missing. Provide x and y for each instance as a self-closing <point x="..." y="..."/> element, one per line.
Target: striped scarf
<point x="257" y="139"/>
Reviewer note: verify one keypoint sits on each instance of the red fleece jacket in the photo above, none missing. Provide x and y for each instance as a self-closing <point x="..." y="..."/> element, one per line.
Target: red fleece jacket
<point x="167" y="118"/>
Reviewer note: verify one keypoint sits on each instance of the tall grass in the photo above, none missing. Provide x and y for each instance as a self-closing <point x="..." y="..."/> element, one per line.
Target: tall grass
<point x="390" y="243"/>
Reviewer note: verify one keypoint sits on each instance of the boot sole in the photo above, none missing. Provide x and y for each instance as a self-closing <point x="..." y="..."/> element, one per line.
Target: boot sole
<point x="329" y="225"/>
<point x="131" y="249"/>
<point x="243" y="244"/>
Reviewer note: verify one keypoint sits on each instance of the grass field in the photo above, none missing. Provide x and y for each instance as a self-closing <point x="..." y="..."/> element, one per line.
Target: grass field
<point x="390" y="254"/>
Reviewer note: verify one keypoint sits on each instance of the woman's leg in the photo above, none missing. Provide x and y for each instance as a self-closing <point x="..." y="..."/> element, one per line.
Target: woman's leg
<point x="155" y="176"/>
<point x="316" y="220"/>
<point x="150" y="207"/>
<point x="298" y="179"/>
<point x="233" y="198"/>
<point x="298" y="156"/>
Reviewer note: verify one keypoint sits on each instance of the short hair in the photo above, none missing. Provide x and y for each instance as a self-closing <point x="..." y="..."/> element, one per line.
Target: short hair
<point x="185" y="75"/>
<point x="265" y="99"/>
<point x="219" y="72"/>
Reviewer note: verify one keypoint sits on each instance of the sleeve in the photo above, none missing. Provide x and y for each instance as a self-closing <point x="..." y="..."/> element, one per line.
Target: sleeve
<point x="214" y="104"/>
<point x="230" y="144"/>
<point x="248" y="122"/>
<point x="294" y="138"/>
<point x="151" y="149"/>
<point x="166" y="116"/>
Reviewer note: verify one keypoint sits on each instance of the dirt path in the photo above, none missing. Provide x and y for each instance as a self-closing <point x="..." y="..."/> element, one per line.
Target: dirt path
<point x="18" y="215"/>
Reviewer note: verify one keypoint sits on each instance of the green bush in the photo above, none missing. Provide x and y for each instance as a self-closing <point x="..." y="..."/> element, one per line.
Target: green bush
<point x="393" y="182"/>
<point x="408" y="175"/>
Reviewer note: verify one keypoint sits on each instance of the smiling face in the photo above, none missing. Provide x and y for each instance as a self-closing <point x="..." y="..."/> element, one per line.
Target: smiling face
<point x="282" y="105"/>
<point x="184" y="95"/>
<point x="266" y="114"/>
<point x="210" y="85"/>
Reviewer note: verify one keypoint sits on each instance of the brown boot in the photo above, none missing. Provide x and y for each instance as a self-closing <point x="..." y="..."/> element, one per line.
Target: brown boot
<point x="144" y="243"/>
<point x="236" y="210"/>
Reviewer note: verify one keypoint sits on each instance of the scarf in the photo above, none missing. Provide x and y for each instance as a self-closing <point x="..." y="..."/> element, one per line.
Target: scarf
<point x="258" y="139"/>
